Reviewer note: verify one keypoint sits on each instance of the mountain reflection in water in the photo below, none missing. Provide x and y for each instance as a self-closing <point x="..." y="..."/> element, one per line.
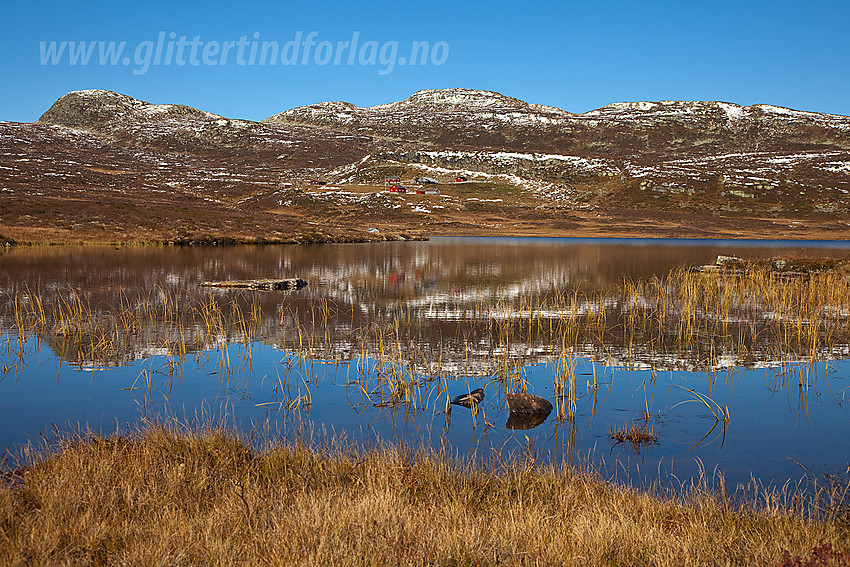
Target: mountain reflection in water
<point x="384" y="335"/>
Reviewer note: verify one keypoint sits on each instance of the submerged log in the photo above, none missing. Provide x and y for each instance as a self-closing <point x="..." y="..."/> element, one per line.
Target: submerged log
<point x="267" y="284"/>
<point x="528" y="403"/>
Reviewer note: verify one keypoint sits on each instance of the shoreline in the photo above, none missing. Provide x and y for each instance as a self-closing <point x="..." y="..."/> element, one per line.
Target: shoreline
<point x="160" y="493"/>
<point x="16" y="237"/>
<point x="210" y="241"/>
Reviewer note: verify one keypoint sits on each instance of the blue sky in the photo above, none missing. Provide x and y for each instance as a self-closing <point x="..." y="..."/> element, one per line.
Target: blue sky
<point x="574" y="55"/>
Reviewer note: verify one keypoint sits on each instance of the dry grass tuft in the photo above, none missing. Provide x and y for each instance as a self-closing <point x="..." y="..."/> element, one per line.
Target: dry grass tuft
<point x="181" y="497"/>
<point x="637" y="435"/>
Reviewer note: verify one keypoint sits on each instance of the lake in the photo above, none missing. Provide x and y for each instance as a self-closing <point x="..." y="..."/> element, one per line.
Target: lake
<point x="99" y="338"/>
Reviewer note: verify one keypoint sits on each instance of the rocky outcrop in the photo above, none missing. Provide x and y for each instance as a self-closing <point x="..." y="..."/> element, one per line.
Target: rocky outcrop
<point x="550" y="167"/>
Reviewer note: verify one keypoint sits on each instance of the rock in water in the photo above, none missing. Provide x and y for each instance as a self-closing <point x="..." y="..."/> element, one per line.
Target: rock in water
<point x="528" y="403"/>
<point x="728" y="261"/>
<point x="470" y="399"/>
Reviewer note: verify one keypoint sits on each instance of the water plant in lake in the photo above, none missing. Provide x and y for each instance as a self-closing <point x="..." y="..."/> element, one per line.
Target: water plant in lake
<point x="686" y="319"/>
<point x="637" y="435"/>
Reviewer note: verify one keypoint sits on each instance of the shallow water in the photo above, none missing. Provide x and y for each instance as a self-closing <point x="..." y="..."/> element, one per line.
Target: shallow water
<point x="777" y="431"/>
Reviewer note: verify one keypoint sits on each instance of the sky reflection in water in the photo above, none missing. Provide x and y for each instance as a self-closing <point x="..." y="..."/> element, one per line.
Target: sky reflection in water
<point x="776" y="431"/>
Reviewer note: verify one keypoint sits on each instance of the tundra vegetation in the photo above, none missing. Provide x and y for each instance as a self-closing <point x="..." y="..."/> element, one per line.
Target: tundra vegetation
<point x="167" y="494"/>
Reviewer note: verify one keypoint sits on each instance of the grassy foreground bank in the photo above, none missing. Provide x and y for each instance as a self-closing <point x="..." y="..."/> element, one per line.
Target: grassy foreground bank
<point x="167" y="497"/>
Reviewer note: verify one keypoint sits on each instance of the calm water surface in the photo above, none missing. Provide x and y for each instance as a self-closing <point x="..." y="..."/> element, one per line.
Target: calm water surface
<point x="777" y="431"/>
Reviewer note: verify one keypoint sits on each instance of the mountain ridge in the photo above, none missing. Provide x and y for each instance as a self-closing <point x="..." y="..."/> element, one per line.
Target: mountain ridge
<point x="454" y="95"/>
<point x="529" y="167"/>
<point x="462" y="118"/>
<point x="111" y="103"/>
